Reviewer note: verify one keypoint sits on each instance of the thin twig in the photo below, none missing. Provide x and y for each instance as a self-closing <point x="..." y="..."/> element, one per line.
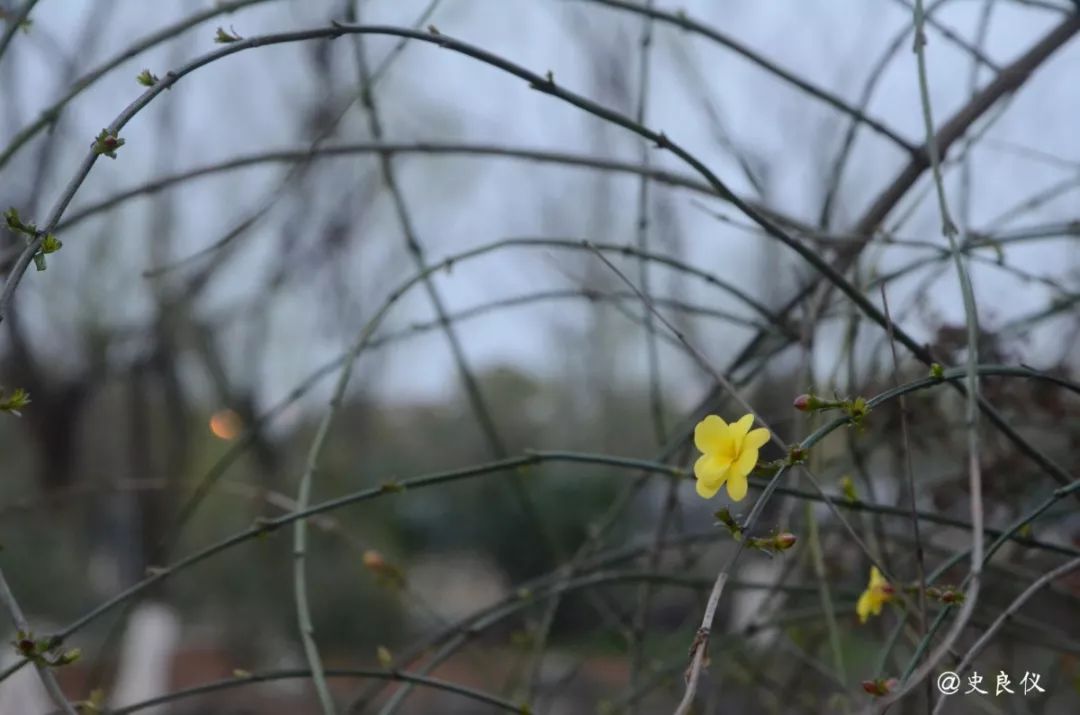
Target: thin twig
<point x="533" y="458"/>
<point x="48" y="679"/>
<point x="293" y="176"/>
<point x="847" y="144"/>
<point x="49" y="114"/>
<point x="357" y="673"/>
<point x="909" y="473"/>
<point x="656" y="399"/>
<point x="699" y="646"/>
<point x="1009" y="612"/>
<point x="971" y="594"/>
<point x="1010" y="79"/>
<point x="685" y="22"/>
<point x="14" y="22"/>
<point x="466" y="149"/>
<point x="978" y="57"/>
<point x="300" y="532"/>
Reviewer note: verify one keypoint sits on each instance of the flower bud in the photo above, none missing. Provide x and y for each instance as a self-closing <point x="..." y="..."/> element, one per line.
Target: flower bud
<point x="373" y="560"/>
<point x="847" y="485"/>
<point x="951" y="596"/>
<point x="809" y="402"/>
<point x="385" y="658"/>
<point x="106" y="143"/>
<point x="784" y="541"/>
<point x="879" y="686"/>
<point x="385" y="572"/>
<point x="796" y="455"/>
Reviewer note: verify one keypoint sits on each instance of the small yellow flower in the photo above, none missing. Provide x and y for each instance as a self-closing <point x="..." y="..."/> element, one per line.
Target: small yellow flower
<point x="878" y="592"/>
<point x="729" y="454"/>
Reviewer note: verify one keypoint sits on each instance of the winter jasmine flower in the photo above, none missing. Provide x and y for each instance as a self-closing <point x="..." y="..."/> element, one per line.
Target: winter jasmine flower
<point x="729" y="454"/>
<point x="878" y="592"/>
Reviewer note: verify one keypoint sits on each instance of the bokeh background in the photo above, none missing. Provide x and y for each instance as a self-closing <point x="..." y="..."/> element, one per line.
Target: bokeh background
<point x="185" y="342"/>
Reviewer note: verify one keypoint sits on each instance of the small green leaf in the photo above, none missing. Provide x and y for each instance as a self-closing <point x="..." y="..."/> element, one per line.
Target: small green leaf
<point x="14" y="402"/>
<point x="147" y="78"/>
<point x="66" y="658"/>
<point x="857" y="409"/>
<point x="51" y="244"/>
<point x="223" y="38"/>
<point x="93" y="705"/>
<point x="11" y="216"/>
<point x="724" y="518"/>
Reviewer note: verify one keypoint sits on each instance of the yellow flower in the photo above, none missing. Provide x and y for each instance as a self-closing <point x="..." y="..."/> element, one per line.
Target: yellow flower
<point x="729" y="453"/>
<point x="878" y="592"/>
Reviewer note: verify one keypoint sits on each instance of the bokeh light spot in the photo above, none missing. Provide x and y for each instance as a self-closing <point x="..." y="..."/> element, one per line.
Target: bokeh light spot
<point x="225" y="424"/>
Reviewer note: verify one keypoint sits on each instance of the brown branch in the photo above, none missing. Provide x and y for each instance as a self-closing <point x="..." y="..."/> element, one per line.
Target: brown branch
<point x="1010" y="79"/>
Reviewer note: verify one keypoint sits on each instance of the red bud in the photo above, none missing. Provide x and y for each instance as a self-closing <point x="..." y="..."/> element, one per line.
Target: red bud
<point x="879" y="686"/>
<point x="785" y="541"/>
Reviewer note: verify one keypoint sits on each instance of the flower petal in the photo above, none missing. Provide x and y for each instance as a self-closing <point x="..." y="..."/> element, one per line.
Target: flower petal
<point x="710" y="469"/>
<point x="756" y="439"/>
<point x="862" y="608"/>
<point x="709" y="434"/>
<point x="736" y="486"/>
<point x="741" y="427"/>
<point x="746" y="462"/>
<point x="707" y="489"/>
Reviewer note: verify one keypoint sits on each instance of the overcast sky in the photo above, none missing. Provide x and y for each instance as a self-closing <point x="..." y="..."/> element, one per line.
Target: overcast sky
<point x="249" y="103"/>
